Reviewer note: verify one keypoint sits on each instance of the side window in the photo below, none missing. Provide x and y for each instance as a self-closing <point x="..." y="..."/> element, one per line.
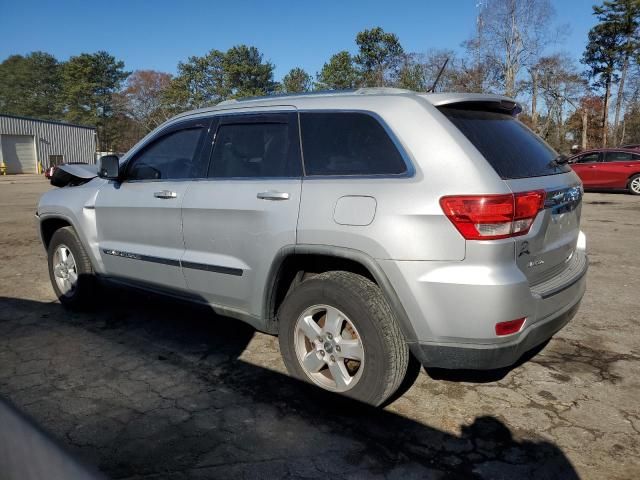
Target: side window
<point x="617" y="157"/>
<point x="347" y="143"/>
<point x="589" y="158"/>
<point x="258" y="148"/>
<point x="172" y="156"/>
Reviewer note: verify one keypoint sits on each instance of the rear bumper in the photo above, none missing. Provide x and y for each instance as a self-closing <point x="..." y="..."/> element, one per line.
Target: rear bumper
<point x="487" y="357"/>
<point x="453" y="310"/>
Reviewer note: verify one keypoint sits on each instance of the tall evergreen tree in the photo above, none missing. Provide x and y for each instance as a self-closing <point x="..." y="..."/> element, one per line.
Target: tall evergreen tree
<point x="296" y="81"/>
<point x="89" y="83"/>
<point x="30" y="86"/>
<point x="338" y="73"/>
<point x="200" y="82"/>
<point x="624" y="17"/>
<point x="601" y="57"/>
<point x="217" y="76"/>
<point x="379" y="57"/>
<point x="246" y="73"/>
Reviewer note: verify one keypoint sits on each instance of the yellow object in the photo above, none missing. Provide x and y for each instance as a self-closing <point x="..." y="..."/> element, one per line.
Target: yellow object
<point x="3" y="169"/>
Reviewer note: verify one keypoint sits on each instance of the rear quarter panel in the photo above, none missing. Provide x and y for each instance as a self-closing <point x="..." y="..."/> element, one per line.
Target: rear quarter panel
<point x="409" y="223"/>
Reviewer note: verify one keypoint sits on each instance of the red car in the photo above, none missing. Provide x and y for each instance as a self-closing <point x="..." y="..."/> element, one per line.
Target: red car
<point x="608" y="169"/>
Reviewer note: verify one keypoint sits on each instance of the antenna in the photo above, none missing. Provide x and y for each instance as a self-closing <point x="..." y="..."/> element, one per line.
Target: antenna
<point x="433" y="87"/>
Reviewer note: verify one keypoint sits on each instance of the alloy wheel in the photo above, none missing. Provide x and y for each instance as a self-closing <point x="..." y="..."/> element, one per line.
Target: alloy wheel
<point x="65" y="270"/>
<point x="329" y="348"/>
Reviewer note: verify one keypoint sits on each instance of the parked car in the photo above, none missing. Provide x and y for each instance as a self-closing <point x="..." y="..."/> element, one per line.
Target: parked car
<point x="48" y="172"/>
<point x="358" y="226"/>
<point x="631" y="146"/>
<point x="608" y="169"/>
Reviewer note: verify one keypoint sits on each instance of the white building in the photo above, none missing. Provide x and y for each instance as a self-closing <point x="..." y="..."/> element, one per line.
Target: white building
<point x="29" y="145"/>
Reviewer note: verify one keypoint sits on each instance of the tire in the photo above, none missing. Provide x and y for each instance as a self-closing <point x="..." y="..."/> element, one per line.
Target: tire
<point x="367" y="328"/>
<point x="634" y="185"/>
<point x="82" y="290"/>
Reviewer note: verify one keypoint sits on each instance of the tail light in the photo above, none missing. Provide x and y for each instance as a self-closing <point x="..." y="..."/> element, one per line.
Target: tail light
<point x="489" y="217"/>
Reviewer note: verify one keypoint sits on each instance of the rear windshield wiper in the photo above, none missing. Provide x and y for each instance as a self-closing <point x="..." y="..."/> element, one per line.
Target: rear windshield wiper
<point x="559" y="160"/>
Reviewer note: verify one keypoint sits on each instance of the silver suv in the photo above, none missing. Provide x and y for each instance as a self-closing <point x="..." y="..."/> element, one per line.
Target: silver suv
<point x="359" y="226"/>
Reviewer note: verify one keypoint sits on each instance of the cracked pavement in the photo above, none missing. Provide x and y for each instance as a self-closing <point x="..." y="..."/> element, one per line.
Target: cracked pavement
<point x="145" y="387"/>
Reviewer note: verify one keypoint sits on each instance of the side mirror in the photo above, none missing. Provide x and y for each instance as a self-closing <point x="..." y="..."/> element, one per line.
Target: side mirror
<point x="109" y="167"/>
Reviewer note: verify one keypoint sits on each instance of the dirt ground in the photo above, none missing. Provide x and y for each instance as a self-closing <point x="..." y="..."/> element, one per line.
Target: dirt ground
<point x="151" y="388"/>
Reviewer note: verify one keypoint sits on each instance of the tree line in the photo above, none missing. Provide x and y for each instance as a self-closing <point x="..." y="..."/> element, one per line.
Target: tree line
<point x="514" y="50"/>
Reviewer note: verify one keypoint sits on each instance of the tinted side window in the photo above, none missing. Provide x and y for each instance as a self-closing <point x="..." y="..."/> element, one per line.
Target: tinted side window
<point x="617" y="156"/>
<point x="245" y="150"/>
<point x="172" y="156"/>
<point x="589" y="158"/>
<point x="512" y="149"/>
<point x="347" y="143"/>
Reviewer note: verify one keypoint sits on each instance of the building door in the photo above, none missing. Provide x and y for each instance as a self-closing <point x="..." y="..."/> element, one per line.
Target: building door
<point x="19" y="154"/>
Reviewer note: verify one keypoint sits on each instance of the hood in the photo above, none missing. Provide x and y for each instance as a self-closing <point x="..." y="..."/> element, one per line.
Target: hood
<point x="73" y="174"/>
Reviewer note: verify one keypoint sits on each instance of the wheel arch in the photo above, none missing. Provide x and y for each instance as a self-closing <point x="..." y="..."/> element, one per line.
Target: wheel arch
<point x="634" y="174"/>
<point x="292" y="262"/>
<point x="51" y="222"/>
<point x="49" y="225"/>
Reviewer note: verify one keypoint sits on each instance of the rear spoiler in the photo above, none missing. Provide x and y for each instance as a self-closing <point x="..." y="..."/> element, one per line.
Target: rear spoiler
<point x="473" y="101"/>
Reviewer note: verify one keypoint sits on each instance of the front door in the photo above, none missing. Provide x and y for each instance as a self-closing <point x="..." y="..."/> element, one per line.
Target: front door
<point x="139" y="218"/>
<point x="587" y="168"/>
<point x="236" y="220"/>
<point x="617" y="168"/>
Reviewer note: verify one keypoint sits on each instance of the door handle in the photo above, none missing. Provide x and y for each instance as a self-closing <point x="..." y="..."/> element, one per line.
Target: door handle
<point x="592" y="166"/>
<point x="165" y="194"/>
<point x="273" y="196"/>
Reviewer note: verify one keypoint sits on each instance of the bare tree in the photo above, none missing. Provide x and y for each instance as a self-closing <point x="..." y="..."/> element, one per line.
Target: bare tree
<point x="420" y="70"/>
<point x="558" y="87"/>
<point x="511" y="35"/>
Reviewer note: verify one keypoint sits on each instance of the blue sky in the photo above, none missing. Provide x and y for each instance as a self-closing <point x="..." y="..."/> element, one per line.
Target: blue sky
<point x="157" y="34"/>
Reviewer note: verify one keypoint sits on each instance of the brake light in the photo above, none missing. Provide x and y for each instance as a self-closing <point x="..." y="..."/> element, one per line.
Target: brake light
<point x="489" y="217"/>
<point x="507" y="328"/>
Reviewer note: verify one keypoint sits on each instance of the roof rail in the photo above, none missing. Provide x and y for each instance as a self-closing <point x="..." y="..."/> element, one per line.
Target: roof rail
<point x="381" y="90"/>
<point x="358" y="91"/>
<point x="285" y="95"/>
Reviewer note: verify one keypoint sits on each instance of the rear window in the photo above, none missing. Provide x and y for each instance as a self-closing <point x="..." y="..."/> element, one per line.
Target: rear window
<point x="620" y="157"/>
<point x="512" y="149"/>
<point x="347" y="143"/>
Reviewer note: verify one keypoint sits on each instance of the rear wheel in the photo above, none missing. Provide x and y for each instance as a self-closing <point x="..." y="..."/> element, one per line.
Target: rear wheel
<point x="338" y="332"/>
<point x="634" y="185"/>
<point x="70" y="269"/>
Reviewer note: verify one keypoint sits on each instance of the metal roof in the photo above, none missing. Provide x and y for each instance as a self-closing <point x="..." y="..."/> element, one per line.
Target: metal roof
<point x="31" y="119"/>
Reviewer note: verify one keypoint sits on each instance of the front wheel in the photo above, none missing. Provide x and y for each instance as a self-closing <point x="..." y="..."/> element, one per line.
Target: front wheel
<point x="338" y="332"/>
<point x="70" y="269"/>
<point x="634" y="185"/>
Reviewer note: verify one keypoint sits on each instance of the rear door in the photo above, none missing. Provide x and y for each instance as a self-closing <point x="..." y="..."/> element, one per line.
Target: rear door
<point x="246" y="209"/>
<point x="526" y="163"/>
<point x="617" y="168"/>
<point x="139" y="219"/>
<point x="587" y="167"/>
